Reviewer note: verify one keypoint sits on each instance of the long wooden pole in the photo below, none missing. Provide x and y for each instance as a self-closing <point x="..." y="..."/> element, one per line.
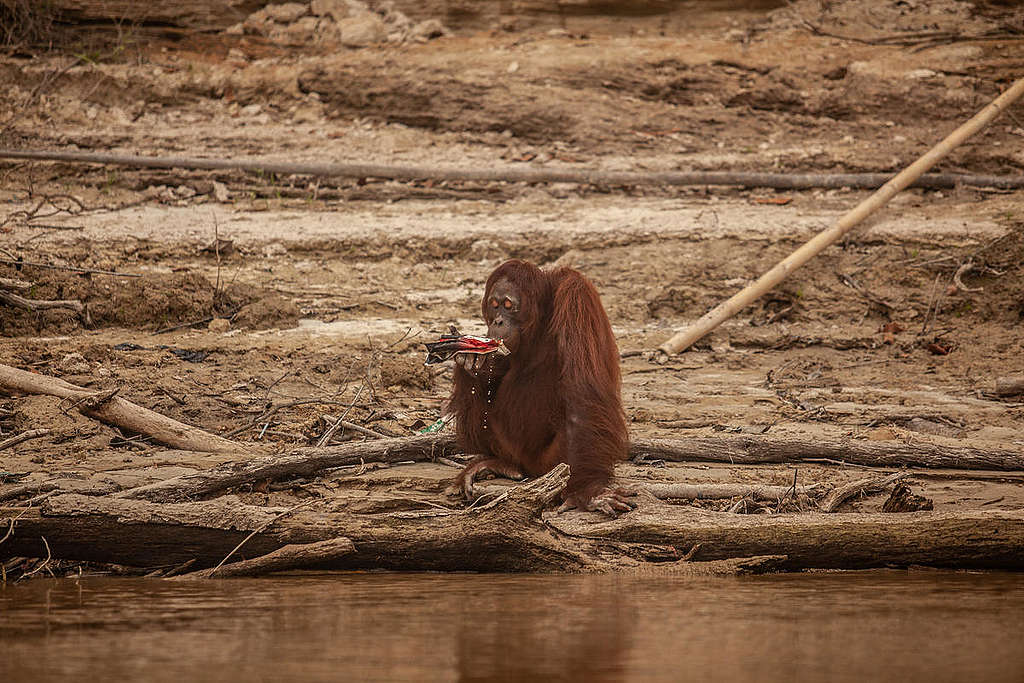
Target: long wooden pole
<point x="716" y="316"/>
<point x="778" y="181"/>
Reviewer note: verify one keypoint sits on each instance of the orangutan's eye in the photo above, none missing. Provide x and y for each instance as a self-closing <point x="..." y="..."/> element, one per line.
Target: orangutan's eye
<point x="508" y="304"/>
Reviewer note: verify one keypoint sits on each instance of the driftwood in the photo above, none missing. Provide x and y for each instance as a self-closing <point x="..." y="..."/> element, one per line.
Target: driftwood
<point x="18" y="285"/>
<point x="285" y="558"/>
<point x="509" y="174"/>
<point x="991" y="539"/>
<point x="841" y="494"/>
<point x="902" y="499"/>
<point x="724" y="491"/>
<point x="24" y="436"/>
<point x="747" y="450"/>
<point x="307" y="462"/>
<point x="302" y="462"/>
<point x="504" y="535"/>
<point x="116" y="411"/>
<point x="40" y="304"/>
<point x="1009" y="386"/>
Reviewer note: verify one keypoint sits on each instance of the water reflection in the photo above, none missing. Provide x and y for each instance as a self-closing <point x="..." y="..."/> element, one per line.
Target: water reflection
<point x="835" y="627"/>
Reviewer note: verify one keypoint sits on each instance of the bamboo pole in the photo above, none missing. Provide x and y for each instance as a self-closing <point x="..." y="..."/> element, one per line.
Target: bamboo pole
<point x="716" y="316"/>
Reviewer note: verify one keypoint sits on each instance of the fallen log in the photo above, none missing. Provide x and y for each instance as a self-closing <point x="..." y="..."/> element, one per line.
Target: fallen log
<point x="1009" y="386"/>
<point x="40" y="304"/>
<point x="979" y="539"/>
<point x="302" y="462"/>
<point x="116" y="411"/>
<point x="516" y="174"/>
<point x="504" y="535"/>
<point x="24" y="436"/>
<point x="763" y="449"/>
<point x="285" y="558"/>
<point x="725" y="491"/>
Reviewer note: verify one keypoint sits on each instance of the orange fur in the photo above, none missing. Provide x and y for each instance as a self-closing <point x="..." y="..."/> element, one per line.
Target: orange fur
<point x="557" y="398"/>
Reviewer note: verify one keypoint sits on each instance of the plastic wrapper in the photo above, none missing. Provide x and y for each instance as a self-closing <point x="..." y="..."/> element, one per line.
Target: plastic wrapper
<point x="450" y="344"/>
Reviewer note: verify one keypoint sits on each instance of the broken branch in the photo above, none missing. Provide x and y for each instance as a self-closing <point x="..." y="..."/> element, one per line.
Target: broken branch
<point x="116" y="411"/>
<point x="841" y="494"/>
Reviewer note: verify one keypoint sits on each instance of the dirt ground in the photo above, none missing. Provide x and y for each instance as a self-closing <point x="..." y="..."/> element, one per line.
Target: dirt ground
<point x="263" y="307"/>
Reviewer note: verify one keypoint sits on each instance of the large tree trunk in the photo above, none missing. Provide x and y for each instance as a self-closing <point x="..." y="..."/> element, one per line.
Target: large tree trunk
<point x="989" y="539"/>
<point x="504" y="536"/>
<point x="508" y="535"/>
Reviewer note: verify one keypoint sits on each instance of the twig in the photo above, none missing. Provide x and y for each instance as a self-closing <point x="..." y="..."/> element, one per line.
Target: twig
<point x="45" y="562"/>
<point x="24" y="436"/>
<point x="334" y="427"/>
<point x="928" y="311"/>
<point x="73" y="269"/>
<point x="960" y="272"/>
<point x="261" y="529"/>
<point x="359" y="428"/>
<point x="790" y="492"/>
<point x="10" y="529"/>
<point x="741" y="503"/>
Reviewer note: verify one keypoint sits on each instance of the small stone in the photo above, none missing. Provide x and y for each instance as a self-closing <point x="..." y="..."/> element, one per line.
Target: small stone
<point x="75" y="364"/>
<point x="363" y="30"/>
<point x="219" y="325"/>
<point x="220" y="192"/>
<point x="287" y="12"/>
<point x="427" y="30"/>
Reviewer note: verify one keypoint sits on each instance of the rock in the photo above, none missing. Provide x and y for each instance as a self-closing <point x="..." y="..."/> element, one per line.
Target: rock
<point x="335" y="9"/>
<point x="219" y="325"/>
<point x="270" y="311"/>
<point x="426" y="30"/>
<point x="220" y="192"/>
<point x="304" y="31"/>
<point x="75" y="364"/>
<point x="484" y="249"/>
<point x="362" y="30"/>
<point x="287" y="12"/>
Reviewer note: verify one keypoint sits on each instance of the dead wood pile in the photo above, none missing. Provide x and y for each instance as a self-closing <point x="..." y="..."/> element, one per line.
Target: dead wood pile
<point x="195" y="521"/>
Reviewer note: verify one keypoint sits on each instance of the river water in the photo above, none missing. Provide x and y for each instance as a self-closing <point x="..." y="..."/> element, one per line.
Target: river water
<point x="860" y="626"/>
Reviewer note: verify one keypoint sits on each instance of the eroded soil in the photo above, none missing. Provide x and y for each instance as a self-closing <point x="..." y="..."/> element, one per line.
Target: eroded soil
<point x="266" y="307"/>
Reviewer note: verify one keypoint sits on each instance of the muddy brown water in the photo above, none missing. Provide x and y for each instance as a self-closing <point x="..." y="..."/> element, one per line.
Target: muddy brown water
<point x="879" y="625"/>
